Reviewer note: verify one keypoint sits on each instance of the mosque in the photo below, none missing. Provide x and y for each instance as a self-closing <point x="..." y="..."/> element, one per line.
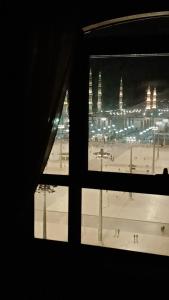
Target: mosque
<point x="121" y="123"/>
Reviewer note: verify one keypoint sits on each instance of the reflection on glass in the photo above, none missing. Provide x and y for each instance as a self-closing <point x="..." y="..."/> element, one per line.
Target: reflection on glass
<point x="129" y="113"/>
<point x="58" y="162"/>
<point x="137" y="222"/>
<point x="51" y="213"/>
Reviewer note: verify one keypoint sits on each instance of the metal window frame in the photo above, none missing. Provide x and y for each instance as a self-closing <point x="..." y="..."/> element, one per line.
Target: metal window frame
<point x="79" y="176"/>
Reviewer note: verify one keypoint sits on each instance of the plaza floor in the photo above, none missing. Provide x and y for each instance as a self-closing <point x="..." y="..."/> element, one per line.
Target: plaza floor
<point x="137" y="222"/>
<point x="143" y="215"/>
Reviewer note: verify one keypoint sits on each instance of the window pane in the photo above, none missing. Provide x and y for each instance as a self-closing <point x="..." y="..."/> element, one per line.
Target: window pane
<point x="51" y="213"/>
<point x="129" y="113"/>
<point x="122" y="220"/>
<point x="59" y="156"/>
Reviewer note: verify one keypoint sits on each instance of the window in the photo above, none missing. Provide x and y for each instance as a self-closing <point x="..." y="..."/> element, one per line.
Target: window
<point x="51" y="202"/>
<point x="85" y="182"/>
<point x="132" y="221"/>
<point x="51" y="212"/>
<point x="129" y="113"/>
<point x="59" y="156"/>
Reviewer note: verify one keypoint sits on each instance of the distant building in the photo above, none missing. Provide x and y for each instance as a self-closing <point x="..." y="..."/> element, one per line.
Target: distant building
<point x="137" y="121"/>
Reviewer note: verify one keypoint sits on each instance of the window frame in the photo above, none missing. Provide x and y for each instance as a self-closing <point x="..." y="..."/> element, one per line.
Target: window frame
<point x="79" y="176"/>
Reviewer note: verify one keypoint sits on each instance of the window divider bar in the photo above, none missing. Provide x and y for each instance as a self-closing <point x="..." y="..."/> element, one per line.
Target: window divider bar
<point x="78" y="138"/>
<point x="138" y="183"/>
<point x="53" y="179"/>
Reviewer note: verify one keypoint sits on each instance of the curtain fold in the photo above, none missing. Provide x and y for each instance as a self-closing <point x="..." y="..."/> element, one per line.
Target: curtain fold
<point x="50" y="52"/>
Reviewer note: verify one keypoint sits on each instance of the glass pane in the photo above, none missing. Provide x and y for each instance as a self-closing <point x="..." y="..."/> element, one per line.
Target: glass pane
<point x="58" y="162"/>
<point x="122" y="220"/>
<point x="51" y="213"/>
<point x="129" y="113"/>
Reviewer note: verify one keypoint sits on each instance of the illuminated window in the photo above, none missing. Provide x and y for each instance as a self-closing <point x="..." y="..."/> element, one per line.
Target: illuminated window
<point x="132" y="127"/>
<point x="118" y="125"/>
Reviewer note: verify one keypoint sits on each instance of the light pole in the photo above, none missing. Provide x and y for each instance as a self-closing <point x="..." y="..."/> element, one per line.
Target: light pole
<point x="61" y="127"/>
<point x="44" y="215"/>
<point x="164" y="140"/>
<point x="61" y="152"/>
<point x="131" y="157"/>
<point x="100" y="227"/>
<point x="131" y="150"/>
<point x="158" y="147"/>
<point x="153" y="161"/>
<point x="101" y="154"/>
<point x="45" y="188"/>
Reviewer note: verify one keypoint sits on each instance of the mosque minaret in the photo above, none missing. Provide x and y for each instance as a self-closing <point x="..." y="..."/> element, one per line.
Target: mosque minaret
<point x="121" y="95"/>
<point x="90" y="93"/>
<point x="99" y="102"/>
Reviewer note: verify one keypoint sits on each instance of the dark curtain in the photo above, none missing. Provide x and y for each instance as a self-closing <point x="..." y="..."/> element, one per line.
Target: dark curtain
<point x="49" y="54"/>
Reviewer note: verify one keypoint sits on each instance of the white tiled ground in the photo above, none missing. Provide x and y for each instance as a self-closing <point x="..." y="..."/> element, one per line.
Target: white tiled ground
<point x="141" y="157"/>
<point x="146" y="242"/>
<point x="142" y="214"/>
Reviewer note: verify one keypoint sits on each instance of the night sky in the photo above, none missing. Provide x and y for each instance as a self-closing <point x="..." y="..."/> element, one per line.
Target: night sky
<point x="136" y="72"/>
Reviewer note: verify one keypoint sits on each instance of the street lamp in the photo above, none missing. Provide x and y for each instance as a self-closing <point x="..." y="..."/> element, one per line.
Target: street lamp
<point x="100" y="200"/>
<point x="158" y="146"/>
<point x="164" y="140"/>
<point x="61" y="127"/>
<point x="153" y="160"/>
<point x="131" y="156"/>
<point x="45" y="188"/>
<point x="60" y="152"/>
<point x="101" y="154"/>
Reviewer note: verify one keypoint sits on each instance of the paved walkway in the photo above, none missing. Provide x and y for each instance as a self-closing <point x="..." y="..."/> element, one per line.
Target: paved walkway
<point x="142" y="215"/>
<point x="132" y="235"/>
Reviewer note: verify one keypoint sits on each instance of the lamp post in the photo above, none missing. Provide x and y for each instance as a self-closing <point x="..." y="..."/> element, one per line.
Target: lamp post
<point x="164" y="140"/>
<point x="44" y="215"/>
<point x="61" y="127"/>
<point x="101" y="154"/>
<point x="45" y="188"/>
<point x="61" y="152"/>
<point x="131" y="157"/>
<point x="100" y="227"/>
<point x="158" y="147"/>
<point x="153" y="161"/>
